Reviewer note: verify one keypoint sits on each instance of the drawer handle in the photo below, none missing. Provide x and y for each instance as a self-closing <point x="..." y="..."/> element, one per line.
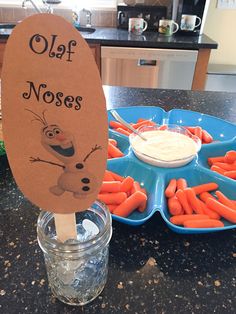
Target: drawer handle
<point x="144" y="62"/>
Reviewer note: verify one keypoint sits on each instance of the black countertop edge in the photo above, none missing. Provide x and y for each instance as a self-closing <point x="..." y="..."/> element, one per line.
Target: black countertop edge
<point x="121" y="37"/>
<point x="146" y="44"/>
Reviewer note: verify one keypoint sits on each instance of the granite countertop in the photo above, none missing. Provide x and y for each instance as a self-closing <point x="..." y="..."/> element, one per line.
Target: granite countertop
<point x="120" y="37"/>
<point x="151" y="269"/>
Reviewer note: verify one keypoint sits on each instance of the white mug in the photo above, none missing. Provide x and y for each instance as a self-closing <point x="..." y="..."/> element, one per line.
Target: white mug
<point x="166" y="27"/>
<point x="188" y="22"/>
<point x="137" y="25"/>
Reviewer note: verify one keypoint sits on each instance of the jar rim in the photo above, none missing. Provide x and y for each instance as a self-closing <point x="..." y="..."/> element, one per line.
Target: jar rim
<point x="50" y="244"/>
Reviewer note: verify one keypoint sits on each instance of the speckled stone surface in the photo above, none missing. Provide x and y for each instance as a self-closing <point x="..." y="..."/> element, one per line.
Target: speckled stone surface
<point x="120" y="37"/>
<point x="220" y="104"/>
<point x="151" y="269"/>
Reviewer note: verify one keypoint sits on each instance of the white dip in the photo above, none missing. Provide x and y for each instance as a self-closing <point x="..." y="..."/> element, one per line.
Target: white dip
<point x="165" y="146"/>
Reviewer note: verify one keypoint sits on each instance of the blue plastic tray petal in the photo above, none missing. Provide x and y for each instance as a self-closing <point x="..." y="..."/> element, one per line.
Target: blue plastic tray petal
<point x="155" y="179"/>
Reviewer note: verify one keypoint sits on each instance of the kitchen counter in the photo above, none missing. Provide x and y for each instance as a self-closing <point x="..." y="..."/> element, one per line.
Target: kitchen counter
<point x="121" y="37"/>
<point x="151" y="269"/>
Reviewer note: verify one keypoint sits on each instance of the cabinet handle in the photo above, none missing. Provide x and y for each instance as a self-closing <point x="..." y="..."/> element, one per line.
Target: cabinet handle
<point x="144" y="62"/>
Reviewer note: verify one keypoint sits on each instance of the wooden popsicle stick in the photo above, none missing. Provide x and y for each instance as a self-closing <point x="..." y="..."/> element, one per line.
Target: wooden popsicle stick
<point x="65" y="225"/>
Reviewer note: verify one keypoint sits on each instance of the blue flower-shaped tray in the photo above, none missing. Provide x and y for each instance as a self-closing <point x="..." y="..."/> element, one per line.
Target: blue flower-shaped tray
<point x="155" y="179"/>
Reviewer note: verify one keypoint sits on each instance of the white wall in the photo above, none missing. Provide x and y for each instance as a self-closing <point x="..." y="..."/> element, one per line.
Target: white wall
<point x="221" y="26"/>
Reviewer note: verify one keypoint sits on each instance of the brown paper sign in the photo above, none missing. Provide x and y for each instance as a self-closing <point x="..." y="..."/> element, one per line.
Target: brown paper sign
<point x="54" y="115"/>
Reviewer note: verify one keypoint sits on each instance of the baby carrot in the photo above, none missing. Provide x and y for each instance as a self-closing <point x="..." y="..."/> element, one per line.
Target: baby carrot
<point x="136" y="187"/>
<point x="171" y="188"/>
<point x="206" y="137"/>
<point x="198" y="189"/>
<point x="204" y="196"/>
<point x="130" y="204"/>
<point x="191" y="129"/>
<point x="184" y="202"/>
<point x="212" y="160"/>
<point x="122" y="131"/>
<point x="144" y="191"/>
<point x="111" y="207"/>
<point x="174" y="206"/>
<point x="180" y="219"/>
<point x="181" y="184"/>
<point x="116" y="176"/>
<point x="226" y="166"/>
<point x="110" y="186"/>
<point x="205" y="223"/>
<point x="193" y="201"/>
<point x="108" y="176"/>
<point x="230" y="156"/>
<point x="116" y="125"/>
<point x="114" y="151"/>
<point x="224" y="211"/>
<point x="142" y="119"/>
<point x="163" y="127"/>
<point x="230" y="174"/>
<point x="209" y="212"/>
<point x="225" y="200"/>
<point x="143" y="123"/>
<point x="112" y="198"/>
<point x="127" y="184"/>
<point x="217" y="169"/>
<point x="112" y="141"/>
<point x="198" y="132"/>
<point x="141" y="208"/>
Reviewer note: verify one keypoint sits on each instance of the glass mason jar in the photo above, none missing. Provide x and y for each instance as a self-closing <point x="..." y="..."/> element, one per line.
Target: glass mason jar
<point x="77" y="269"/>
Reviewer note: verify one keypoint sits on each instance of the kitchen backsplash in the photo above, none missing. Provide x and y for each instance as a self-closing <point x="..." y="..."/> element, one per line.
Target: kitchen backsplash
<point x="15" y="14"/>
<point x="104" y="18"/>
<point x="99" y="18"/>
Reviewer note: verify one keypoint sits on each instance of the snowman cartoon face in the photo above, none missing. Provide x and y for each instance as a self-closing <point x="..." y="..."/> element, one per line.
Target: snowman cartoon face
<point x="58" y="142"/>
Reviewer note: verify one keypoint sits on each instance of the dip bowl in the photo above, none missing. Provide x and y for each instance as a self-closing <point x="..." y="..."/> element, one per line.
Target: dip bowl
<point x="171" y="162"/>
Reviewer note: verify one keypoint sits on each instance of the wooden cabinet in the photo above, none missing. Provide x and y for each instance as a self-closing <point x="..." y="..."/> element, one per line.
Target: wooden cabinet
<point x="2" y="48"/>
<point x="96" y="50"/>
<point x="200" y="73"/>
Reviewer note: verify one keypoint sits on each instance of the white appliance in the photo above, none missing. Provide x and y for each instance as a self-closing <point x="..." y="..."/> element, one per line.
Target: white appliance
<point x="148" y="67"/>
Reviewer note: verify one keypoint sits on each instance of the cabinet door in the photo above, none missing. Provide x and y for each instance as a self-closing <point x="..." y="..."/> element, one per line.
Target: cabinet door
<point x="2" y="48"/>
<point x="96" y="51"/>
